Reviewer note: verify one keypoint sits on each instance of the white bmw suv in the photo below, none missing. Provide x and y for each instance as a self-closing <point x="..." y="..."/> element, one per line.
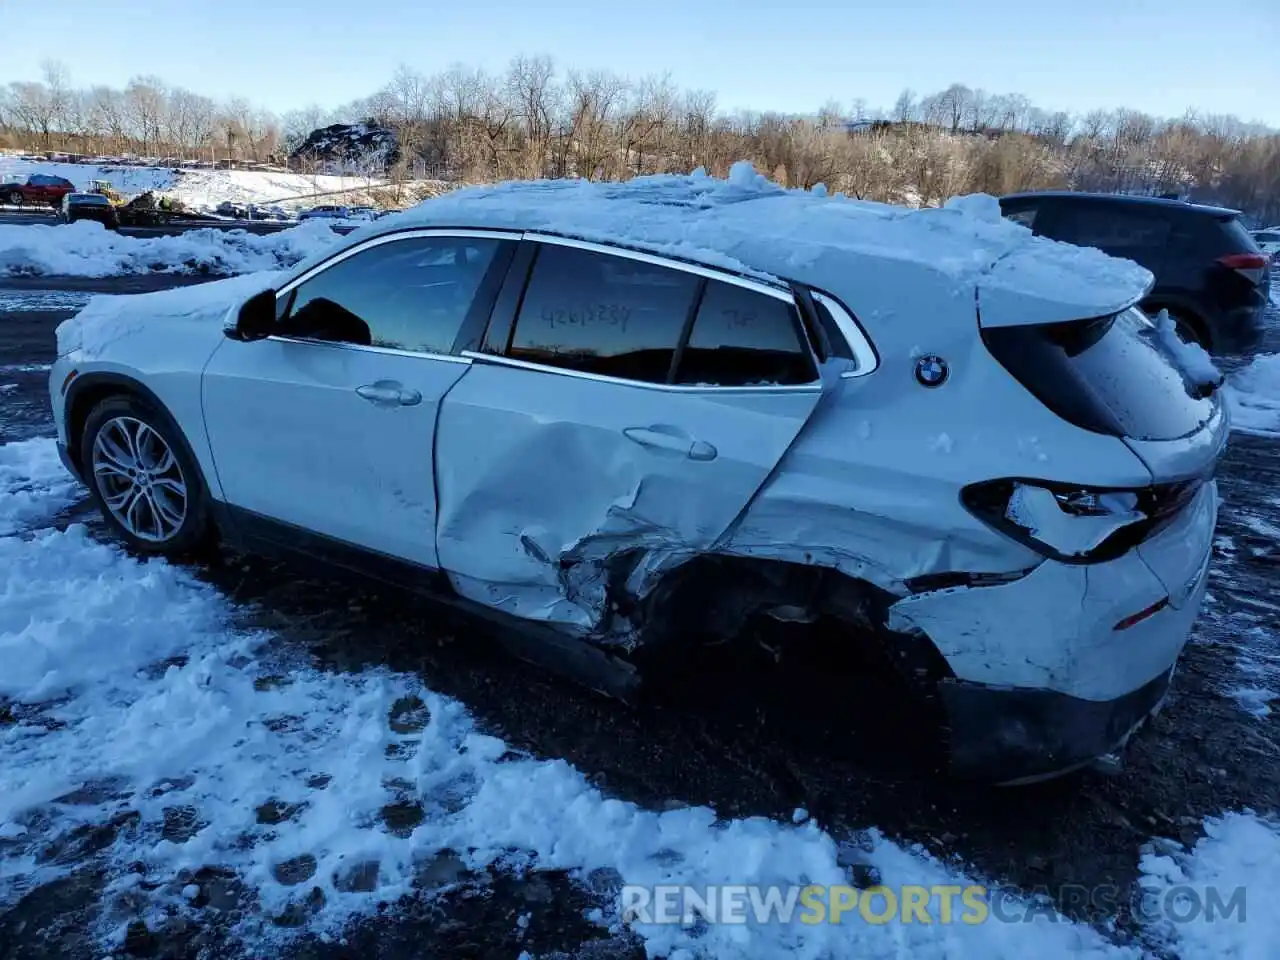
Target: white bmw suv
<point x="617" y="414"/>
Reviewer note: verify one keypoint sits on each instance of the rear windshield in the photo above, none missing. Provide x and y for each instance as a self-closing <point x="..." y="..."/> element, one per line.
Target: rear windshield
<point x="88" y="198"/>
<point x="1109" y="375"/>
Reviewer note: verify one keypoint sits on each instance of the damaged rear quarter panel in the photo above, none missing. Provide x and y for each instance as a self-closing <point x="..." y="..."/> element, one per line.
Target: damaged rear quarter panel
<point x="872" y="485"/>
<point x="539" y="483"/>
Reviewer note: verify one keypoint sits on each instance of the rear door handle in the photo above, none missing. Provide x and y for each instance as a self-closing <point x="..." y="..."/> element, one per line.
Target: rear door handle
<point x="389" y="393"/>
<point x="662" y="440"/>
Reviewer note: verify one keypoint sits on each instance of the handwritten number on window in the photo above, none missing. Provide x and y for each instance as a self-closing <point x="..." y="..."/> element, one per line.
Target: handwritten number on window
<point x="590" y="315"/>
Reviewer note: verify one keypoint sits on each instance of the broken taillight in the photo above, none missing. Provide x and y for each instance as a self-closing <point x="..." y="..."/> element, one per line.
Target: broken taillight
<point x="1076" y="524"/>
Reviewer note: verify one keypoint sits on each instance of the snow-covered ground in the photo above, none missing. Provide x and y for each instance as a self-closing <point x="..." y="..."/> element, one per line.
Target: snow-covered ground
<point x="195" y="188"/>
<point x="132" y="693"/>
<point x="1254" y="395"/>
<point x="87" y="249"/>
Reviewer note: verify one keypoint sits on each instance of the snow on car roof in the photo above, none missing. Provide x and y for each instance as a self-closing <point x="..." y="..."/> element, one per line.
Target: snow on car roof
<point x="750" y="225"/>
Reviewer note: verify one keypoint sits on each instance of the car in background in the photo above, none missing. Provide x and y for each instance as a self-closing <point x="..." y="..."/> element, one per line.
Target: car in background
<point x="362" y="213"/>
<point x="1210" y="274"/>
<point x="89" y="206"/>
<point x="634" y="443"/>
<point x="267" y="213"/>
<point x="237" y="211"/>
<point x="39" y="189"/>
<point x="326" y="212"/>
<point x="1268" y="242"/>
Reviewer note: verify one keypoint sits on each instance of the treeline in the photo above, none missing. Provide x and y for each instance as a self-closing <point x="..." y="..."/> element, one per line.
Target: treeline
<point x="536" y="120"/>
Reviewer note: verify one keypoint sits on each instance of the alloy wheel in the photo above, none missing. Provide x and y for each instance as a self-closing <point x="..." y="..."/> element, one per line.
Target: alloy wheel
<point x="139" y="479"/>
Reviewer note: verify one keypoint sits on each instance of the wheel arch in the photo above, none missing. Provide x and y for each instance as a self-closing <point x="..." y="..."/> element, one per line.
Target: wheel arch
<point x="719" y="593"/>
<point x="90" y="389"/>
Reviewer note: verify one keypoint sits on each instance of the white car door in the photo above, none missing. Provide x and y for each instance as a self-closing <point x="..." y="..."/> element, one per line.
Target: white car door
<point x="329" y="425"/>
<point x="635" y="409"/>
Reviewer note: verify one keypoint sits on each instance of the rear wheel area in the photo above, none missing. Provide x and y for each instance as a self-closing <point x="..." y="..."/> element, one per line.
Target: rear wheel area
<point x="144" y="479"/>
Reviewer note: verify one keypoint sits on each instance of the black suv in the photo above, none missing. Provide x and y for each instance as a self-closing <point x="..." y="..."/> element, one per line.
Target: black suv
<point x="1209" y="273"/>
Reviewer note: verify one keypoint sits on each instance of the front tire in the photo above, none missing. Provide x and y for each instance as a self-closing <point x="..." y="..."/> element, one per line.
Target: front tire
<point x="144" y="479"/>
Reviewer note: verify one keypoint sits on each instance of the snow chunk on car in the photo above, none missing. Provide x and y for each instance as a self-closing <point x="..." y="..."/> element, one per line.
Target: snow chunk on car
<point x="748" y="224"/>
<point x="108" y="318"/>
<point x="1190" y="358"/>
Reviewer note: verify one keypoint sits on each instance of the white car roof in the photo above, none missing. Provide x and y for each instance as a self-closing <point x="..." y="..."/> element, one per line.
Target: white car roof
<point x="877" y="257"/>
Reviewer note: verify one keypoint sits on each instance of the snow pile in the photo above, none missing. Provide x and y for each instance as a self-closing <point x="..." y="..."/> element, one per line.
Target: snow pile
<point x="87" y="249"/>
<point x="33" y="482"/>
<point x="1237" y="864"/>
<point x="749" y="224"/>
<point x="109" y="318"/>
<point x="1191" y="358"/>
<point x="200" y="189"/>
<point x="1254" y="395"/>
<point x="134" y="698"/>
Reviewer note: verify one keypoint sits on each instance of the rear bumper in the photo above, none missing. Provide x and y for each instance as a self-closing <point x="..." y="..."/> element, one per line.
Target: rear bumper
<point x="1055" y="669"/>
<point x="1010" y="736"/>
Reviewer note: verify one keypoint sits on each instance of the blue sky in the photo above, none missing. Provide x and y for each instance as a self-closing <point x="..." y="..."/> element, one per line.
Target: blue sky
<point x="1162" y="56"/>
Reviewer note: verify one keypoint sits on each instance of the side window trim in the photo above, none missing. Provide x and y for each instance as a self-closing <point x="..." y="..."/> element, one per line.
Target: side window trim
<point x="286" y="292"/>
<point x="378" y="241"/>
<point x="865" y="358"/>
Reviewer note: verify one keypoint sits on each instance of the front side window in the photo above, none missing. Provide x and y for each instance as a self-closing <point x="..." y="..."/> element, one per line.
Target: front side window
<point x="603" y="314"/>
<point x="412" y="294"/>
<point x="742" y="337"/>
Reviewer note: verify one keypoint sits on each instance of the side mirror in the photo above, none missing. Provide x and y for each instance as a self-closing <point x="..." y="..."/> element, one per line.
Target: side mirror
<point x="256" y="319"/>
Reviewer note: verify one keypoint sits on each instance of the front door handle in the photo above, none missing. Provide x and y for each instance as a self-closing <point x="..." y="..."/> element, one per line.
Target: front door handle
<point x="675" y="442"/>
<point x="389" y="393"/>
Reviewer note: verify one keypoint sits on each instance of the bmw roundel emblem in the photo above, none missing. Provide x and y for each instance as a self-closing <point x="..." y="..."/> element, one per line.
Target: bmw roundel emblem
<point x="931" y="371"/>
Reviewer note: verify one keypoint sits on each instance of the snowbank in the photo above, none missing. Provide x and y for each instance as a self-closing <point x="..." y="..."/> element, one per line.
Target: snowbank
<point x="1238" y="858"/>
<point x="195" y="188"/>
<point x="1254" y="395"/>
<point x="87" y="249"/>
<point x="33" y="481"/>
<point x="137" y="692"/>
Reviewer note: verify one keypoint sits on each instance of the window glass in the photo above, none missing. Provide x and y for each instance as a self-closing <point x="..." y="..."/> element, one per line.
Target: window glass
<point x="1025" y="216"/>
<point x="1110" y="375"/>
<point x="602" y="314"/>
<point x="410" y="294"/>
<point x="744" y="338"/>
<point x="1108" y="226"/>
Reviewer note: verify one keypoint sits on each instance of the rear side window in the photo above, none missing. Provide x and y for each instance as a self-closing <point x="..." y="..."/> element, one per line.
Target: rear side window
<point x="1108" y="375"/>
<point x="1267" y="237"/>
<point x="597" y="313"/>
<point x="741" y="337"/>
<point x="1239" y="239"/>
<point x="1107" y="226"/>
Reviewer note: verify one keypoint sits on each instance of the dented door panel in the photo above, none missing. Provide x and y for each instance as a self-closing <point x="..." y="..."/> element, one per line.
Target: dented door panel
<point x="543" y="476"/>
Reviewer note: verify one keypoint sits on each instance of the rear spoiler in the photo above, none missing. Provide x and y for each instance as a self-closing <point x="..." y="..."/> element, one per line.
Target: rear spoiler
<point x="1023" y="289"/>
